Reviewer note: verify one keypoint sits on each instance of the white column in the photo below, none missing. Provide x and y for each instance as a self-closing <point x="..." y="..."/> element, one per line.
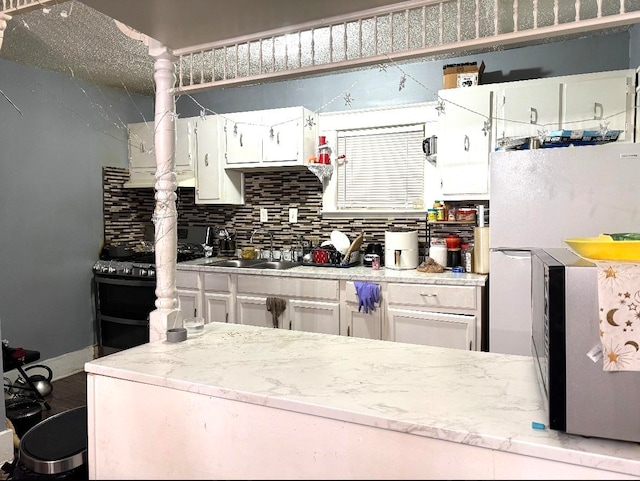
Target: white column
<point x="165" y="214"/>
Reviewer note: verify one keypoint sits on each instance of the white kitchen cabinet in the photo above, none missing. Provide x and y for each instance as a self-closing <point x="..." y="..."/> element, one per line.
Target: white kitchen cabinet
<point x="214" y="184"/>
<point x="218" y="297"/>
<point x="435" y="315"/>
<point x="189" y="287"/>
<point x="527" y="109"/>
<point x="465" y="141"/>
<point x="358" y="323"/>
<point x="268" y="139"/>
<point x="600" y="101"/>
<point x="311" y="304"/>
<point x="142" y="158"/>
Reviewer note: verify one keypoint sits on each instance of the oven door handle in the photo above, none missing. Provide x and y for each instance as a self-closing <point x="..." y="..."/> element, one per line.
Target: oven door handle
<point x="129" y="322"/>
<point x="125" y="282"/>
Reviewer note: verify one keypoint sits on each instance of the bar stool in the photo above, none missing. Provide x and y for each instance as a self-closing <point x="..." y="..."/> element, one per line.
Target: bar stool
<point x="55" y="448"/>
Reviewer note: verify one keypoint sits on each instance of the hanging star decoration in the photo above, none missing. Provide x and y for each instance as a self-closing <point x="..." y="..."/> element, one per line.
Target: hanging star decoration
<point x="235" y="129"/>
<point x="486" y="128"/>
<point x="403" y="81"/>
<point x="440" y="107"/>
<point x="348" y="99"/>
<point x="310" y="122"/>
<point x="604" y="129"/>
<point x="271" y="133"/>
<point x="202" y="114"/>
<point x="383" y="67"/>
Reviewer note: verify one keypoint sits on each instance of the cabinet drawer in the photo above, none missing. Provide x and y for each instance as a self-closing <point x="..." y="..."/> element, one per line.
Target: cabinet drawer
<point x="187" y="280"/>
<point x="289" y="287"/>
<point x="431" y="295"/>
<point x="217" y="282"/>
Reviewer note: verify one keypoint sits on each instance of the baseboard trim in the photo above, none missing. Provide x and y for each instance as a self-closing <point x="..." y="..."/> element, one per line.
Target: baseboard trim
<point x="65" y="365"/>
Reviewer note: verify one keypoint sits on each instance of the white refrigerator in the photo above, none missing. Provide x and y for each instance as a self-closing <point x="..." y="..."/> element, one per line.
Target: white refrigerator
<point x="540" y="197"/>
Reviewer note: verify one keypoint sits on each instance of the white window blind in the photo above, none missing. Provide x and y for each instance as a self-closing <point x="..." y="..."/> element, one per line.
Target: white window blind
<point x="383" y="168"/>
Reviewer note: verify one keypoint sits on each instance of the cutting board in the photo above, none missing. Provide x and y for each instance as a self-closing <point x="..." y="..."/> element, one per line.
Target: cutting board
<point x="354" y="247"/>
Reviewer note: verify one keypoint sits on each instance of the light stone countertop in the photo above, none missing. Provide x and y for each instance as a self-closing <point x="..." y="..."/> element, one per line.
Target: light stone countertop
<point x="355" y="273"/>
<point x="475" y="398"/>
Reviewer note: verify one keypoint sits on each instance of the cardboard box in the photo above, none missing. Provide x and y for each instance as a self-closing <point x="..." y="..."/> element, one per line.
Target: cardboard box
<point x="461" y="75"/>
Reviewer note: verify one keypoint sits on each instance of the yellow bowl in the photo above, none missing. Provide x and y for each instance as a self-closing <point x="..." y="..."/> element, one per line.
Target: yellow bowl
<point x="604" y="247"/>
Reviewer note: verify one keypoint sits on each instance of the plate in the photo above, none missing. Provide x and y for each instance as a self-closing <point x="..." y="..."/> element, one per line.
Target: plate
<point x="340" y="241"/>
<point x="604" y="247"/>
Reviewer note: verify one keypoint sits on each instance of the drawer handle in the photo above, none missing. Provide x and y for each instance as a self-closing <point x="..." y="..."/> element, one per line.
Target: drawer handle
<point x="429" y="295"/>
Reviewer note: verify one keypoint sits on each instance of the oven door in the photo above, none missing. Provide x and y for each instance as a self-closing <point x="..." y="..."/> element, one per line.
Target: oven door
<point x="122" y="311"/>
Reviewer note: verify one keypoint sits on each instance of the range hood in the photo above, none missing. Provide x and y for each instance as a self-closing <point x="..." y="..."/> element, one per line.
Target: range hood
<point x="185" y="179"/>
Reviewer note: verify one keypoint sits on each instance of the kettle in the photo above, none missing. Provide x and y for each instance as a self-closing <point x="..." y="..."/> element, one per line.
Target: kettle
<point x="41" y="383"/>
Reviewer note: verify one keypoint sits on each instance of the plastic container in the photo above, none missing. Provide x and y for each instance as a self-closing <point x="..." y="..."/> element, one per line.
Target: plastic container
<point x="431" y="215"/>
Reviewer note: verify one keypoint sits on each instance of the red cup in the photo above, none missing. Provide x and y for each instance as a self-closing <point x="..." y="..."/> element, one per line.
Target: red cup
<point x="320" y="256"/>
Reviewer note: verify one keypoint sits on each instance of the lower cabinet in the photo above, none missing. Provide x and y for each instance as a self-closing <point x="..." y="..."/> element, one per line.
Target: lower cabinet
<point x="354" y="322"/>
<point x="432" y="314"/>
<point x="435" y="315"/>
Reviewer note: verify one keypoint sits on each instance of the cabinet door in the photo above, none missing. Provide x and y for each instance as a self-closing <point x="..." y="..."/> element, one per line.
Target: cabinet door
<point x="464" y="141"/>
<point x="311" y="316"/>
<point x="189" y="303"/>
<point x="207" y="163"/>
<point x="241" y="136"/>
<point x="358" y="324"/>
<point x="529" y="110"/>
<point x="431" y="328"/>
<point x="217" y="307"/>
<point x="287" y="139"/>
<point x="141" y="146"/>
<point x="185" y="144"/>
<point x="594" y="104"/>
<point x="252" y="311"/>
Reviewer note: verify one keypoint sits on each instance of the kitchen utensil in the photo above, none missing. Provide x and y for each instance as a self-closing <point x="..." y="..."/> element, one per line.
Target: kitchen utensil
<point x="340" y="241"/>
<point x="354" y="247"/>
<point x="41" y="383"/>
<point x="604" y="247"/>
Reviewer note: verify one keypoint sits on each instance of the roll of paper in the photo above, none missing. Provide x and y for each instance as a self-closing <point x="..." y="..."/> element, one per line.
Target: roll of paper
<point x="481" y="250"/>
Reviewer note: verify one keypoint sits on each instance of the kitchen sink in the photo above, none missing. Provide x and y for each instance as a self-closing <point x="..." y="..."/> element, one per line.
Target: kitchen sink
<point x="235" y="262"/>
<point x="253" y="263"/>
<point x="275" y="265"/>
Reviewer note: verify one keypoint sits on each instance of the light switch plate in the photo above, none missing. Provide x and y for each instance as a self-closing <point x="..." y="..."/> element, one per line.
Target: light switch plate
<point x="293" y="215"/>
<point x="264" y="214"/>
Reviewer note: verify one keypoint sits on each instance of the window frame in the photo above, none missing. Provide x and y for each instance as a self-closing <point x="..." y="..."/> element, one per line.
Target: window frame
<point x="330" y="123"/>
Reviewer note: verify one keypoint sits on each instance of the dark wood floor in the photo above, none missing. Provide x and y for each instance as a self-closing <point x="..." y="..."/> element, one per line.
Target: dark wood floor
<point x="67" y="393"/>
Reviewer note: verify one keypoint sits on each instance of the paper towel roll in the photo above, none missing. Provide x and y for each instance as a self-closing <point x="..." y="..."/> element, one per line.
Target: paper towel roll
<point x="439" y="254"/>
<point x="481" y="250"/>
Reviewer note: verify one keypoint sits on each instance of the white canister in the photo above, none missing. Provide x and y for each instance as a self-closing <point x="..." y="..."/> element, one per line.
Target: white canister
<point x="401" y="249"/>
<point x="439" y="254"/>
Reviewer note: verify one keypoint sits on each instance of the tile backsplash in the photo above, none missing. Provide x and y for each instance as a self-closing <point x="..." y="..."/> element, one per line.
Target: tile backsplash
<point x="127" y="212"/>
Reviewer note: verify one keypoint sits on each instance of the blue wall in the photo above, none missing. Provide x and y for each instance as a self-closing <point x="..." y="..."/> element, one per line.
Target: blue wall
<point x="51" y="155"/>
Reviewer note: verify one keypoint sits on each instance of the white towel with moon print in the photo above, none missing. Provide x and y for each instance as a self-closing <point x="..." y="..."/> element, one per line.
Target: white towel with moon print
<point x="619" y="314"/>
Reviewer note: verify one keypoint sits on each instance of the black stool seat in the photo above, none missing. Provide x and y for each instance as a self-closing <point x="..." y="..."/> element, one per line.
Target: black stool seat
<point x="56" y="445"/>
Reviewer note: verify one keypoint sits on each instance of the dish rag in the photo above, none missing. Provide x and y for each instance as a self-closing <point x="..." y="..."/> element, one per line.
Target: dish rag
<point x="368" y="294"/>
<point x="276" y="305"/>
<point x="618" y="299"/>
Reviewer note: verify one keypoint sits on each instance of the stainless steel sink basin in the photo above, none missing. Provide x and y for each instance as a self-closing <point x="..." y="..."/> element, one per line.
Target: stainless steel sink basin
<point x="252" y="263"/>
<point x="275" y="265"/>
<point x="235" y="262"/>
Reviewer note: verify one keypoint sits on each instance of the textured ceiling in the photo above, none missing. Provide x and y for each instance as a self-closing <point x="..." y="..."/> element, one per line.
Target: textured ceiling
<point x="75" y="39"/>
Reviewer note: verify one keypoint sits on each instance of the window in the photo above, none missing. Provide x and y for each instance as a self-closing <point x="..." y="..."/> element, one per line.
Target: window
<point x="379" y="164"/>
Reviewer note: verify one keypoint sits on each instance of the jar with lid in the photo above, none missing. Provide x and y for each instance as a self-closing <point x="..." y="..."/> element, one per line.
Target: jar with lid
<point x="467" y="257"/>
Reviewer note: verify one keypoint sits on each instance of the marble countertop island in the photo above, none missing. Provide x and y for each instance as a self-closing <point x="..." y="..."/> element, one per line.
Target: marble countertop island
<point x="463" y="399"/>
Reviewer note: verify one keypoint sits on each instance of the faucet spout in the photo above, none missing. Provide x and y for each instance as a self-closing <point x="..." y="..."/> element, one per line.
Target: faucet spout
<point x="270" y="234"/>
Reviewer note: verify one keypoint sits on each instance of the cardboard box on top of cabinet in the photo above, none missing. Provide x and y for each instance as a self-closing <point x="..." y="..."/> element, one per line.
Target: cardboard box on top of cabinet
<point x="462" y="74"/>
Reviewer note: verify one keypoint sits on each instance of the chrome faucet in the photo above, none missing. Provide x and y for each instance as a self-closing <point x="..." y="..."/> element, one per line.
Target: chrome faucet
<point x="270" y="239"/>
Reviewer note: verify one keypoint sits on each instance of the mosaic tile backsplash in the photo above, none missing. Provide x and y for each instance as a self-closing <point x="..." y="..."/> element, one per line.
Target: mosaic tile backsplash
<point x="127" y="212"/>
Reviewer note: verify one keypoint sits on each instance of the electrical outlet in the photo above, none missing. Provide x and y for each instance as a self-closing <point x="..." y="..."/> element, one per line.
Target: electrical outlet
<point x="293" y="215"/>
<point x="264" y="214"/>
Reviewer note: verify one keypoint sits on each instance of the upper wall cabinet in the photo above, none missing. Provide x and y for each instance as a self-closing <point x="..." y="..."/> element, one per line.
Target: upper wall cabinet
<point x="268" y="139"/>
<point x="464" y="141"/>
<point x="214" y="184"/>
<point x="142" y="158"/>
